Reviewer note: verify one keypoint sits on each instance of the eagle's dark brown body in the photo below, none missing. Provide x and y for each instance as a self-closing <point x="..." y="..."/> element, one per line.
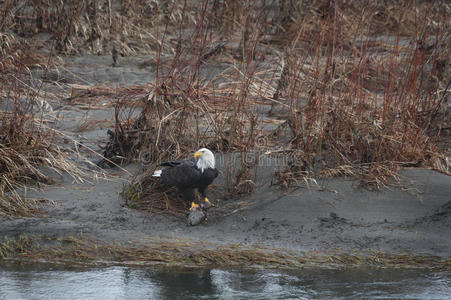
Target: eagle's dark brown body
<point x="187" y="177"/>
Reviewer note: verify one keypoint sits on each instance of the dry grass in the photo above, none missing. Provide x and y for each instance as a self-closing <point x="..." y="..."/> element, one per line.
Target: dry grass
<point x="366" y="90"/>
<point x="89" y="251"/>
<point x="362" y="92"/>
<point x="152" y="196"/>
<point x="26" y="141"/>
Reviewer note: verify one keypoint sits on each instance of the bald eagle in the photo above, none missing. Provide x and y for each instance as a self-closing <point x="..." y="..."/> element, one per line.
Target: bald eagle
<point x="190" y="174"/>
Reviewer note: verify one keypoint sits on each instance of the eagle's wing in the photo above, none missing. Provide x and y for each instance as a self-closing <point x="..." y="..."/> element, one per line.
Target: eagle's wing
<point x="208" y="176"/>
<point x="178" y="162"/>
<point x="171" y="163"/>
<point x="182" y="175"/>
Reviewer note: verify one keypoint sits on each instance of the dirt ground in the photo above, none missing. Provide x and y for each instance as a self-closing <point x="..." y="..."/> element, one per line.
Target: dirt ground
<point x="334" y="215"/>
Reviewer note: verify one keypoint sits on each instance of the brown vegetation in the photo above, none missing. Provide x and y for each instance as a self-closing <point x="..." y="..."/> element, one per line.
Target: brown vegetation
<point x="89" y="251"/>
<point x="363" y="92"/>
<point x="27" y="142"/>
<point x="357" y="92"/>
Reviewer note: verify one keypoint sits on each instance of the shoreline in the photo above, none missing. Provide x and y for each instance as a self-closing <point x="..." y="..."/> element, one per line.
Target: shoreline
<point x="277" y="107"/>
<point x="336" y="224"/>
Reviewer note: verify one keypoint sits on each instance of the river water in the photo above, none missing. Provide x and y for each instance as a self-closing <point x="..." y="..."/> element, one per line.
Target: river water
<point x="58" y="282"/>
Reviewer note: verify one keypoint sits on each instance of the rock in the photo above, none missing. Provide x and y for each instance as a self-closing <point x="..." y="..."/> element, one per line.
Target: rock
<point x="196" y="217"/>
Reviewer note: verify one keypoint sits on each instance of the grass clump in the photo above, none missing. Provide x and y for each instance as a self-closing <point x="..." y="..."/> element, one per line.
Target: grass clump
<point x="89" y="251"/>
<point x="26" y="141"/>
<point x="145" y="193"/>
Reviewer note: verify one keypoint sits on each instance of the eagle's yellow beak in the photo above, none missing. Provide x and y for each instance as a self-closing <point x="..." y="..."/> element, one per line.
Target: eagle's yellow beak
<point x="197" y="154"/>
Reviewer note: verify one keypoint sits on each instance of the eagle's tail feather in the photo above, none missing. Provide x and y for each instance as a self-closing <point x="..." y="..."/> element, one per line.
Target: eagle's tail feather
<point x="157" y="173"/>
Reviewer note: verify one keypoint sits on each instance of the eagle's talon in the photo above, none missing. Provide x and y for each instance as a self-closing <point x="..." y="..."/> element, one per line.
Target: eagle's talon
<point x="206" y="204"/>
<point x="208" y="201"/>
<point x="194" y="207"/>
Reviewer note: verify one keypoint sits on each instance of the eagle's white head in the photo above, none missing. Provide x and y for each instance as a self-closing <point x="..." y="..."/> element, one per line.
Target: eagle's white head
<point x="206" y="159"/>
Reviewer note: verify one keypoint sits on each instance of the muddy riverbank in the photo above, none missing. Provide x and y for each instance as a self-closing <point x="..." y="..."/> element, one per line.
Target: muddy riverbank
<point x="335" y="218"/>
